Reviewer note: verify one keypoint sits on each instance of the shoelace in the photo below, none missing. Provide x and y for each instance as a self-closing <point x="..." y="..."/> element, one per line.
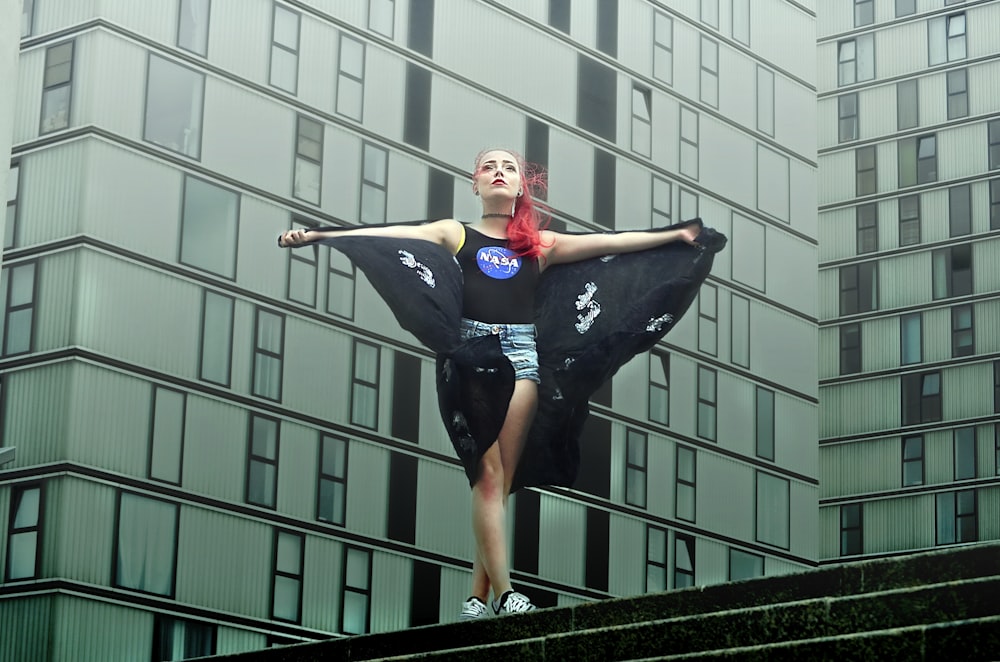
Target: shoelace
<point x="516" y="602"/>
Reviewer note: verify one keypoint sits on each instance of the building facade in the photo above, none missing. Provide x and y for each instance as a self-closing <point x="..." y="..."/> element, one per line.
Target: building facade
<point x="909" y="209"/>
<point x="222" y="445"/>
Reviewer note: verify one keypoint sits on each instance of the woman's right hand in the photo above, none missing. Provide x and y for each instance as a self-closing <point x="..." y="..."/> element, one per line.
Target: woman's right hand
<point x="293" y="239"/>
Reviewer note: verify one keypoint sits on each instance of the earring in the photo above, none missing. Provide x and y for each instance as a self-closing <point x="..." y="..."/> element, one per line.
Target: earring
<point x="475" y="191"/>
<point x="520" y="193"/>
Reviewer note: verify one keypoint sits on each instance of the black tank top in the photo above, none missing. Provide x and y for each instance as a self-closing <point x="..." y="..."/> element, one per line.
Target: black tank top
<point x="499" y="285"/>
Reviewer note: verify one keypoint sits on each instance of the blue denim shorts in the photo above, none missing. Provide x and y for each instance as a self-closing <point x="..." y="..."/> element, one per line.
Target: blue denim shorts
<point x="517" y="342"/>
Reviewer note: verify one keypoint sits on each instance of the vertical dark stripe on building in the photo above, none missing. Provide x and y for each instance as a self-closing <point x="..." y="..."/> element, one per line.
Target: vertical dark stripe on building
<point x="605" y="168"/>
<point x="440" y="195"/>
<point x="402" y="524"/>
<point x="595" y="458"/>
<point x="420" y="32"/>
<point x="406" y="397"/>
<point x="425" y="596"/>
<point x="417" y="116"/>
<point x="526" y="509"/>
<point x="598" y="528"/>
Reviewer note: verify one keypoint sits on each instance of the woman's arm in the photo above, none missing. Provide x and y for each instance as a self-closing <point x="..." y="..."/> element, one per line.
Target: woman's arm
<point x="447" y="233"/>
<point x="562" y="248"/>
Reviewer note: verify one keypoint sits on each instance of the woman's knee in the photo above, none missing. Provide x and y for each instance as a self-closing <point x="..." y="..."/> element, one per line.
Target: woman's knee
<point x="491" y="472"/>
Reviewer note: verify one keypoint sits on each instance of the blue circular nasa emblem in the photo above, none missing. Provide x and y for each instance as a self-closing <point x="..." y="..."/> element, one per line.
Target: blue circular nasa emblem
<point x="498" y="262"/>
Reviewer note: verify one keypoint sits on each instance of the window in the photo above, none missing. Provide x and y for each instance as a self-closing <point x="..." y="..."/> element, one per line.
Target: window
<point x="659" y="386"/>
<point x="605" y="177"/>
<point x="262" y="461"/>
<point x="858" y="288"/>
<point x="683" y="560"/>
<point x="663" y="47"/>
<point x="956" y="517"/>
<point x="994" y="138"/>
<point x="685" y="492"/>
<point x="867" y="231"/>
<point x="440" y="194"/>
<point x="24" y="532"/>
<point x="364" y="385"/>
<point x="706" y="403"/>
<point x="864" y="12"/>
<point x="559" y="15"/>
<point x="921" y="398"/>
<point x="905" y="7"/>
<point x="866" y="180"/>
<point x="642" y="130"/>
<point x="996" y="386"/>
<point x="19" y="318"/>
<point x="663" y="201"/>
<point x="607" y="27"/>
<point x="595" y="458"/>
<point x="192" y="26"/>
<point x="856" y="60"/>
<point x="917" y="160"/>
<point x="27" y="17"/>
<point x="744" y="565"/>
<point x="740" y="332"/>
<point x="748" y="267"/>
<point x="995" y="204"/>
<point x="174" y="106"/>
<point x="216" y="338"/>
<point x="656" y="559"/>
<point x="308" y="160"/>
<point x="302" y="270"/>
<point x="958" y="94"/>
<point x="527" y="509"/>
<point x="851" y="532"/>
<point x="688" y="204"/>
<point x="946" y="35"/>
<point x="709" y="87"/>
<point x="286" y="589"/>
<point x="689" y="143"/>
<point x="536" y="146"/>
<point x="381" y="16"/>
<point x="284" y="72"/>
<point x="850" y="348"/>
<point x="401" y="523"/>
<point x="268" y="354"/>
<point x="420" y="31"/>
<point x="406" y="396"/>
<point x="425" y="593"/>
<point x="741" y="21"/>
<point x="145" y="544"/>
<point x="340" y="279"/>
<point x="996" y="446"/>
<point x="847" y="114"/>
<point x="351" y="76"/>
<point x="965" y="453"/>
<point x="57" y="88"/>
<point x="13" y="190"/>
<point x="708" y="319"/>
<point x="374" y="181"/>
<point x="181" y="639"/>
<point x="635" y="468"/>
<point x="417" y="115"/>
<point x="209" y="228"/>
<point x="765" y="423"/>
<point x="772" y="510"/>
<point x="911" y="347"/>
<point x="962" y="331"/>
<point x="166" y="435"/>
<point x="959" y="210"/>
<point x="355" y="614"/>
<point x="710" y="13"/>
<point x="913" y="460"/>
<point x="765" y="100"/>
<point x="907" y="105"/>
<point x="596" y="97"/>
<point x="909" y="220"/>
<point x="332" y="505"/>
<point x="597" y="536"/>
<point x="951" y="271"/>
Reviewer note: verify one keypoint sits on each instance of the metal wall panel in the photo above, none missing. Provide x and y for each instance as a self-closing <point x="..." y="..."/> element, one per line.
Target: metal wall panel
<point x="880" y="343"/>
<point x="775" y="566"/>
<point x="93" y="630"/>
<point x="391" y="576"/>
<point x="936" y="332"/>
<point x="79" y="531"/>
<point x="571" y="161"/>
<point x="322" y="583"/>
<point x="635" y="30"/>
<point x="985" y="79"/>
<point x="355" y="13"/>
<point x="318" y="370"/>
<point x="444" y="510"/>
<point x="298" y="470"/>
<point x="904" y="280"/>
<point x="215" y="448"/>
<point x="237" y="640"/>
<point x="785" y="35"/>
<point x="112" y="68"/>
<point x="898" y="524"/>
<point x="711" y="562"/>
<point x="986" y="266"/>
<point x="661" y="456"/>
<point x="989" y="513"/>
<point x="626" y="555"/>
<point x="385" y="75"/>
<point x="319" y="59"/>
<point x="871" y="465"/>
<point x="454" y="590"/>
<point x="834" y="17"/>
<point x="799" y="258"/>
<point x="28" y="625"/>
<point x="939" y="457"/>
<point x="716" y="509"/>
<point x="829" y="532"/>
<point x="738" y="96"/>
<point x="37" y="419"/>
<point x="934" y="215"/>
<point x="786" y="352"/>
<point x="728" y="158"/>
<point x="874" y="404"/>
<point x="47" y="212"/>
<point x="158" y="22"/>
<point x="367" y="488"/>
<point x="982" y="21"/>
<point x="837" y="182"/>
<point x="829" y="351"/>
<point x="561" y="539"/>
<point x="234" y="25"/>
<point x="795" y="119"/>
<point x="962" y="151"/>
<point x="802" y="193"/>
<point x="987" y="325"/>
<point x="966" y="391"/>
<point x="899" y="51"/>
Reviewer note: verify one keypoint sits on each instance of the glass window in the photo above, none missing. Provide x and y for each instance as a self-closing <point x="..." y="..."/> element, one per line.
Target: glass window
<point x="302" y="270"/>
<point x="866" y="180"/>
<point x="765" y="423"/>
<point x="559" y="15"/>
<point x="772" y="510"/>
<point x="27" y="17"/>
<point x="708" y="319"/>
<point x="440" y="194"/>
<point x="907" y="104"/>
<point x="420" y="30"/>
<point x="996" y="446"/>
<point x="710" y="13"/>
<point x="216" y="338"/>
<point x="684" y="557"/>
<point x="596" y="100"/>
<point x="19" y="318"/>
<point x="706" y="403"/>
<point x="965" y="453"/>
<point x="741" y="21"/>
<point x="607" y="27"/>
<point x="374" y="180"/>
<point x="946" y="37"/>
<point x="635" y="468"/>
<point x="847" y="112"/>
<point x="709" y="88"/>
<point x="340" y="286"/>
<point x="765" y="100"/>
<point x="960" y="210"/>
<point x="905" y="7"/>
<point x="642" y="130"/>
<point x="962" y="331"/>
<point x="995" y="204"/>
<point x="851" y="532"/>
<point x="656" y="559"/>
<point x="181" y="639"/>
<point x="867" y="230"/>
<point x="856" y="60"/>
<point x="332" y="505"/>
<point x="417" y="115"/>
<point x="958" y="94"/>
<point x="951" y="271"/>
<point x="24" y="532"/>
<point x="921" y="398"/>
<point x="262" y="461"/>
<point x="355" y="613"/>
<point x="864" y="12"/>
<point x="911" y="347"/>
<point x="401" y="519"/>
<point x="663" y="47"/>
<point x="917" y="160"/>
<point x="850" y="348"/>
<point x="663" y="201"/>
<point x="166" y="441"/>
<point x="57" y="88"/>
<point x="268" y="355"/>
<point x="351" y="76"/>
<point x="536" y="147"/>
<point x="604" y="189"/>
<point x="858" y="288"/>
<point x="365" y="384"/>
<point x="192" y="25"/>
<point x="685" y="494"/>
<point x="209" y="227"/>
<point x="956" y="517"/>
<point x="740" y="332"/>
<point x="996" y="387"/>
<point x="994" y="148"/>
<point x="286" y="591"/>
<point x="308" y="160"/>
<point x="909" y="220"/>
<point x="174" y="105"/>
<point x="405" y="416"/>
<point x="285" y="49"/>
<point x="145" y="544"/>
<point x="13" y="189"/>
<point x="913" y="460"/>
<point x="689" y="155"/>
<point x="381" y="16"/>
<point x="744" y="565"/>
<point x="659" y="386"/>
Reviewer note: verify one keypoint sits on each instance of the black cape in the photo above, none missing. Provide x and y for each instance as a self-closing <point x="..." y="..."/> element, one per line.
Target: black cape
<point x="591" y="316"/>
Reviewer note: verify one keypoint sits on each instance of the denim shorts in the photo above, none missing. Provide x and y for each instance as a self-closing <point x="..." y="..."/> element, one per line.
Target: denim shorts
<point x="517" y="342"/>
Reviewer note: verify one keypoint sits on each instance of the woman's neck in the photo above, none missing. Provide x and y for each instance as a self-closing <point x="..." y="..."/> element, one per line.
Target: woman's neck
<point x="494" y="225"/>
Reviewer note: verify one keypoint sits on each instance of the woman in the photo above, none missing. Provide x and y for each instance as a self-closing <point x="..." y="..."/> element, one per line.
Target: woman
<point x="502" y="259"/>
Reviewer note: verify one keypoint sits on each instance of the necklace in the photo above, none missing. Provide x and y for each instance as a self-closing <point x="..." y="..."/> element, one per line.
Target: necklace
<point x="496" y="215"/>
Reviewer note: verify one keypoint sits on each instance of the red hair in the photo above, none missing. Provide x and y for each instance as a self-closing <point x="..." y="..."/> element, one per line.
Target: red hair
<point x="530" y="216"/>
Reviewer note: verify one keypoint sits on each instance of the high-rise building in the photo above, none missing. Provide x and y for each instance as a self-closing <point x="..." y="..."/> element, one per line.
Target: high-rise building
<point x="223" y="445"/>
<point x="909" y="217"/>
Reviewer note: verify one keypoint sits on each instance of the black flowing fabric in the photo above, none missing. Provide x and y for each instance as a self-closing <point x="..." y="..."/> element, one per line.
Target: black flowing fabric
<point x="591" y="316"/>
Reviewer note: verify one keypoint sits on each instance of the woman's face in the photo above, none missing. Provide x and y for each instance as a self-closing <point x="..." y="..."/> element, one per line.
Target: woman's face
<point x="497" y="176"/>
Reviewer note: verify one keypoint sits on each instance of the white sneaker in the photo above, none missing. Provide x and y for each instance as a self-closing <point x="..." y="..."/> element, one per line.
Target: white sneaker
<point x="512" y="602"/>
<point x="472" y="609"/>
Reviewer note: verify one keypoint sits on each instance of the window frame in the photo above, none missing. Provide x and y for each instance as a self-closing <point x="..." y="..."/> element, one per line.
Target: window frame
<point x="11" y="309"/>
<point x="916" y="458"/>
<point x="926" y="407"/>
<point x="952" y="510"/>
<point x="994" y="193"/>
<point x="293" y="50"/>
<point x="116" y="547"/>
<point x="959" y="210"/>
<point x="345" y="77"/>
<point x="684" y="485"/>
<point x="51" y="88"/>
<point x="848" y="118"/>
<point x="690" y="546"/>
<point x="642" y="120"/>
<point x="356" y="382"/>
<point x="688" y="147"/>
<point x="262" y="354"/>
<point x="865" y="178"/>
<point x="847" y="547"/>
<point x="17" y="493"/>
<point x="707" y="404"/>
<point x="302" y="157"/>
<point x="253" y="458"/>
<point x="277" y="573"/>
<point x="339" y="508"/>
<point x="201" y="344"/>
<point x="207" y="4"/>
<point x="944" y="258"/>
<point x="365" y="591"/>
<point x="332" y="272"/>
<point x="392" y="18"/>
<point x="848" y="350"/>
<point x="964" y="445"/>
<point x="153" y="415"/>
<point x="656" y="564"/>
<point x="959" y="331"/>
<point x="301" y="257"/>
<point x="907" y="104"/>
<point x="198" y="94"/>
<point x="858" y="71"/>
<point x="957" y="97"/>
<point x="227" y="271"/>
<point x="785" y="535"/>
<point x="765" y="439"/>
<point x="708" y="77"/>
<point x="663" y="356"/>
<point x="663" y="51"/>
<point x="708" y="320"/>
<point x="13" y="208"/>
<point x="866" y="220"/>
<point x="860" y="7"/>
<point x="368" y="150"/>
<point x="636" y="471"/>
<point x="993" y="143"/>
<point x="863" y="273"/>
<point x="162" y="620"/>
<point x="904" y="320"/>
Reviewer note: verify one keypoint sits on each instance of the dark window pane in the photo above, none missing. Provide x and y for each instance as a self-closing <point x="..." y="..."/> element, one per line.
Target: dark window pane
<point x="607" y="27"/>
<point x="402" y="522"/>
<point x="417" y="117"/>
<point x="596" y="106"/>
<point x="559" y="14"/>
<point x="420" y="36"/>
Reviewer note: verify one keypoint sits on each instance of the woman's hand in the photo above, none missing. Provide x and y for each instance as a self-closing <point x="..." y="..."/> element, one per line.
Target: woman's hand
<point x="689" y="233"/>
<point x="293" y="239"/>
